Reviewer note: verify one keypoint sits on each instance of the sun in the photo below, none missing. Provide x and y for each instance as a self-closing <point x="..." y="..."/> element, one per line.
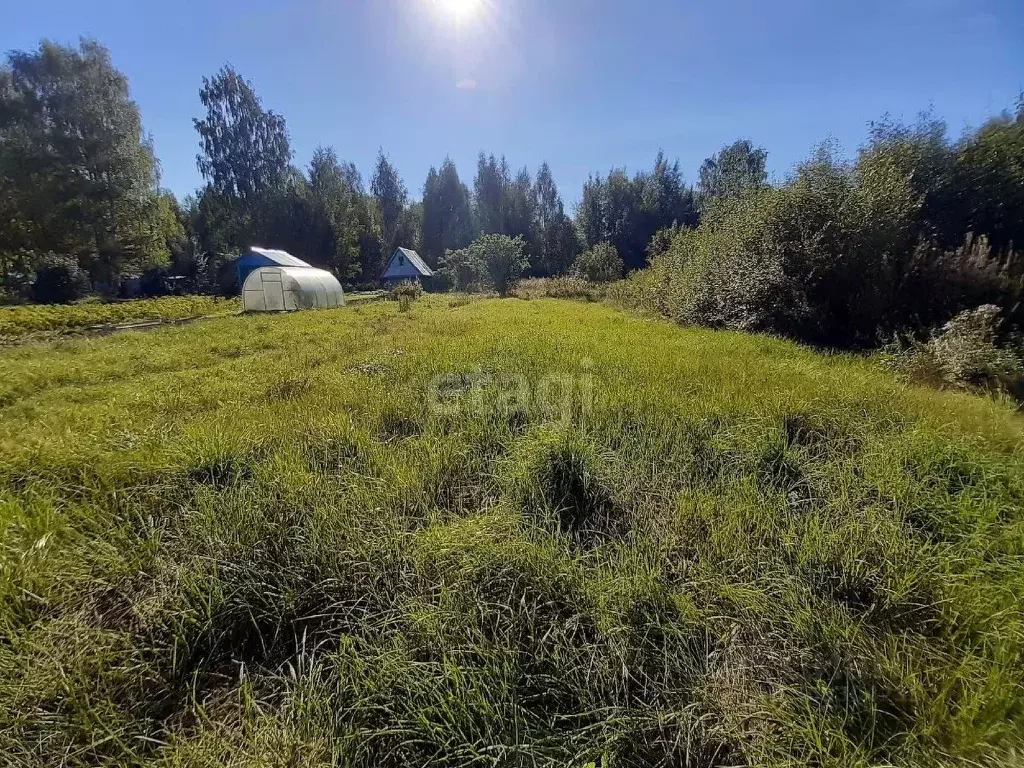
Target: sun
<point x="458" y="10"/>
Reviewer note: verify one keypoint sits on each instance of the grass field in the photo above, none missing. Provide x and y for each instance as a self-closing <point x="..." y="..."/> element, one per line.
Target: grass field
<point x="23" y="320"/>
<point x="500" y="533"/>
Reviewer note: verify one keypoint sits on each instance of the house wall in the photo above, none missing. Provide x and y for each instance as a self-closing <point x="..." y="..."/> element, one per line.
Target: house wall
<point x="405" y="271"/>
<point x="248" y="263"/>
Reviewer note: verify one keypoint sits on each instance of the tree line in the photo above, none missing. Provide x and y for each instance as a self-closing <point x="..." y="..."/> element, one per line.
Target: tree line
<point x="81" y="185"/>
<point x="915" y="228"/>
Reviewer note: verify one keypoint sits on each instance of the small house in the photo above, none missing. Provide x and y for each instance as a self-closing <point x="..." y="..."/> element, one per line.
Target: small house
<point x="255" y="258"/>
<point x="405" y="265"/>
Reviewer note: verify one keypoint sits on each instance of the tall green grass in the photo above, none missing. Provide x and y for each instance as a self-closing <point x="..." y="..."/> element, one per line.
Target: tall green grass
<point x="252" y="541"/>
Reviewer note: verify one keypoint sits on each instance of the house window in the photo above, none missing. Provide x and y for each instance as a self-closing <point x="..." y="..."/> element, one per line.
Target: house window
<point x="401" y="261"/>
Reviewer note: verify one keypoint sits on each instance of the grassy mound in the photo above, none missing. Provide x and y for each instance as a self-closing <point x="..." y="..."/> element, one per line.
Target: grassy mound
<point x="499" y="533"/>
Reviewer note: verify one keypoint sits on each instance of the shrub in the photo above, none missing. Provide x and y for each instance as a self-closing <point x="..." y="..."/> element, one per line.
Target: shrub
<point x="16" y="273"/>
<point x="495" y="261"/>
<point x="965" y="353"/>
<point x="458" y="270"/>
<point x="59" y="281"/>
<point x="939" y="283"/>
<point x="441" y="282"/>
<point x="637" y="292"/>
<point x="730" y="271"/>
<point x="405" y="293"/>
<point x="661" y="241"/>
<point x="843" y="254"/>
<point x="408" y="289"/>
<point x="503" y="259"/>
<point x="823" y="259"/>
<point x="568" y="287"/>
<point x="601" y="264"/>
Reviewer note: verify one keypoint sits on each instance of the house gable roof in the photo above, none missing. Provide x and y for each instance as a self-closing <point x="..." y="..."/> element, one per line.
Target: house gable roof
<point x="415" y="261"/>
<point x="280" y="258"/>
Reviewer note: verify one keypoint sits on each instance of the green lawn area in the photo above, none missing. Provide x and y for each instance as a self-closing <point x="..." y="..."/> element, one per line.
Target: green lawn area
<point x="500" y="533"/>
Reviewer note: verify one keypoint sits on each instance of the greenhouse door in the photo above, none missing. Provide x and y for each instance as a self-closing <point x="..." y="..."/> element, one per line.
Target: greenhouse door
<point x="273" y="291"/>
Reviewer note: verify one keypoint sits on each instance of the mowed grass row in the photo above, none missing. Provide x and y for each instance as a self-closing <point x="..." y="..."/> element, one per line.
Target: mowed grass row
<point x="499" y="533"/>
<point x="19" y="321"/>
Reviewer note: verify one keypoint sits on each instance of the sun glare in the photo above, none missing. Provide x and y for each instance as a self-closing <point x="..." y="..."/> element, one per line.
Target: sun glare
<point x="458" y="10"/>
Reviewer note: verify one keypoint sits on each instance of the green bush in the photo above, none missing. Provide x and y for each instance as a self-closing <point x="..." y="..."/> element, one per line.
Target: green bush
<point x="835" y="257"/>
<point x="16" y="276"/>
<point x="503" y="258"/>
<point x="661" y="241"/>
<point x="964" y="353"/>
<point x="497" y="262"/>
<point x="406" y="289"/>
<point x="460" y="271"/>
<point x="59" y="281"/>
<point x="405" y="293"/>
<point x="638" y="292"/>
<point x="568" y="287"/>
<point x="914" y="231"/>
<point x="601" y="264"/>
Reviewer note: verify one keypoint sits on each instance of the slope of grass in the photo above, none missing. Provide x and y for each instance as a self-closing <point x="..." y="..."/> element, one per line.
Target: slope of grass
<point x="499" y="533"/>
<point x="22" y="320"/>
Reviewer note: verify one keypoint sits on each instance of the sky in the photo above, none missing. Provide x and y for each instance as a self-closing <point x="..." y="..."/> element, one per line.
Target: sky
<point x="586" y="85"/>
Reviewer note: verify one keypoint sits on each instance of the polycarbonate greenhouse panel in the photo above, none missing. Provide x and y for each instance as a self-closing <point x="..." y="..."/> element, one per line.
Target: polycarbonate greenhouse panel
<point x="282" y="289"/>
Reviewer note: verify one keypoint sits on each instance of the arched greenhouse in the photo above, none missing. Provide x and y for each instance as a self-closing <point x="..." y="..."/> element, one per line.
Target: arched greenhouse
<point x="286" y="289"/>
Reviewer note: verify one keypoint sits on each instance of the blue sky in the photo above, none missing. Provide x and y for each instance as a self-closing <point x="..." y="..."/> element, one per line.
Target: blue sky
<point x="583" y="84"/>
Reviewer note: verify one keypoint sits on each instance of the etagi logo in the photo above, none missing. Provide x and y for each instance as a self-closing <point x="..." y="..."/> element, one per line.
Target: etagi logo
<point x="555" y="395"/>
